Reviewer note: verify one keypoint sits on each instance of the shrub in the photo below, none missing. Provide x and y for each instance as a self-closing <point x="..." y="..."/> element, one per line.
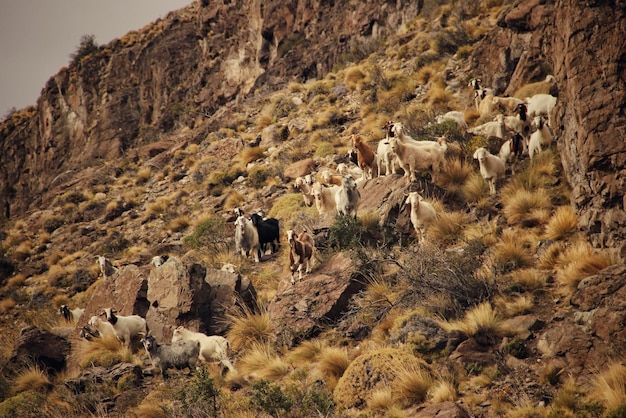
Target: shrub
<point x="87" y="46"/>
<point x="579" y="261"/>
<point x="201" y="396"/>
<point x="258" y="175"/>
<point x="270" y="398"/>
<point x="345" y="232"/>
<point x="53" y="223"/>
<point x="209" y="233"/>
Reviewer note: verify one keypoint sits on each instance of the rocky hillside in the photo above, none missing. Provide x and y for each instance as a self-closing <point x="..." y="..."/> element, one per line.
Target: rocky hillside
<point x="511" y="306"/>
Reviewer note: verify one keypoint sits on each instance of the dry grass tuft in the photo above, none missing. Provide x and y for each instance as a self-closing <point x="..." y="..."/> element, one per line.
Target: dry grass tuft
<point x="249" y="155"/>
<point x="6" y="305"/>
<point x="529" y="279"/>
<point x="610" y="386"/>
<point x="567" y="396"/>
<point x="143" y="175"/>
<point x="234" y="199"/>
<point x="250" y="327"/>
<point x="515" y="306"/>
<point x="514" y="250"/>
<point x="475" y="188"/>
<point x="443" y="391"/>
<point x="307" y="352"/>
<point x="411" y="384"/>
<point x="481" y="322"/>
<point x="381" y="400"/>
<point x="448" y="227"/>
<point x="579" y="261"/>
<point x="525" y="207"/>
<point x="332" y="363"/>
<point x="485" y="232"/>
<point x="562" y="224"/>
<point x="33" y="378"/>
<point x="105" y="351"/>
<point x="179" y="224"/>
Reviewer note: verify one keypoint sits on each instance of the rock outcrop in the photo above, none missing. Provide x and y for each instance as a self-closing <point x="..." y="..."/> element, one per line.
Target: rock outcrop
<point x="582" y="45"/>
<point x="41" y="347"/>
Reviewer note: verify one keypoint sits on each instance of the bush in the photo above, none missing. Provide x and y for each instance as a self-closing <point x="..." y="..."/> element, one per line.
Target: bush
<point x="87" y="46"/>
<point x="210" y="233"/>
<point x="270" y="399"/>
<point x="345" y="232"/>
<point x="201" y="397"/>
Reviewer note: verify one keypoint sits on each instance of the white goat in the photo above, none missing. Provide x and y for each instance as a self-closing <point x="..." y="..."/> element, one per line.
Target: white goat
<point x="347" y="197"/>
<point x="508" y="103"/>
<point x="324" y="198"/>
<point x="422" y="214"/>
<point x="385" y="155"/>
<point x="541" y="105"/>
<point x="104" y="328"/>
<point x="512" y="148"/>
<point x="486" y="106"/>
<point x="491" y="167"/>
<point x="330" y="179"/>
<point x="493" y="128"/>
<point x="212" y="347"/>
<point x="106" y="267"/>
<point x="455" y="116"/>
<point x="229" y="267"/>
<point x="71" y="315"/>
<point x="247" y="238"/>
<point x="304" y="187"/>
<point x="540" y="138"/>
<point x="301" y="251"/>
<point x="126" y="327"/>
<point x="414" y="158"/>
<point x="398" y="131"/>
<point x="159" y="260"/>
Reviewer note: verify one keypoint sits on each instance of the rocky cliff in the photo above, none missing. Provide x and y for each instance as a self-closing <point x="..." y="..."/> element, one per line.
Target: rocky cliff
<point x="175" y="72"/>
<point x="582" y="45"/>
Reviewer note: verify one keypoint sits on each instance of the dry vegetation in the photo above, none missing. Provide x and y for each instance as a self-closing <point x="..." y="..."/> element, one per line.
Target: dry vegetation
<point x="480" y="264"/>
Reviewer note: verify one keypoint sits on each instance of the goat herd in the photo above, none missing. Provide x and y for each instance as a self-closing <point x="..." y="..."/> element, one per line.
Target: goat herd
<point x="338" y="193"/>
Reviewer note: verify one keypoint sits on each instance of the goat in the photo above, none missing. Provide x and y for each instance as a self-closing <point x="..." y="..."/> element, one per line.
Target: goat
<point x="268" y="231"/>
<point x="159" y="260"/>
<point x="305" y="188"/>
<point x="324" y="198"/>
<point x="238" y="212"/>
<point x="385" y="158"/>
<point x="347" y="197"/>
<point x="540" y="138"/>
<point x="126" y="327"/>
<point x="422" y="214"/>
<point x="541" y="105"/>
<point x="493" y="128"/>
<point x="179" y="354"/>
<point x="398" y="131"/>
<point x="512" y="148"/>
<point x="103" y="328"/>
<point x="330" y="179"/>
<point x="353" y="171"/>
<point x="486" y="106"/>
<point x="414" y="158"/>
<point x="106" y="267"/>
<point x="212" y="347"/>
<point x="507" y="103"/>
<point x="229" y="267"/>
<point x="491" y="167"/>
<point x="455" y="116"/>
<point x="451" y="150"/>
<point x="246" y="238"/>
<point x="301" y="250"/>
<point x="71" y="315"/>
<point x="366" y="157"/>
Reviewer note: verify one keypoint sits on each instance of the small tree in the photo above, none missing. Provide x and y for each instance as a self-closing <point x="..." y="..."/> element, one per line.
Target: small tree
<point x="87" y="45"/>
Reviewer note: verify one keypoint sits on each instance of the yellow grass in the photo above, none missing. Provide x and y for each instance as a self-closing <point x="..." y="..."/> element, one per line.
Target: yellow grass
<point x="475" y="188"/>
<point x="32" y="378"/>
<point x="447" y="227"/>
<point x="526" y="207"/>
<point x="481" y="319"/>
<point x="562" y="224"/>
<point x="579" y="261"/>
<point x="105" y="351"/>
<point x="514" y="250"/>
<point x="515" y="306"/>
<point x="143" y="175"/>
<point x="443" y="391"/>
<point x="381" y="401"/>
<point x="567" y="396"/>
<point x="530" y="279"/>
<point x="250" y="327"/>
<point x="250" y="154"/>
<point x="308" y="351"/>
<point x="411" y="384"/>
<point x="179" y="224"/>
<point x="332" y="362"/>
<point x="6" y="305"/>
<point x="610" y="386"/>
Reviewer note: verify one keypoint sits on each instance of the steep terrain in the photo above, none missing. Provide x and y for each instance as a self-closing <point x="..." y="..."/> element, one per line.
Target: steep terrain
<point x="512" y="306"/>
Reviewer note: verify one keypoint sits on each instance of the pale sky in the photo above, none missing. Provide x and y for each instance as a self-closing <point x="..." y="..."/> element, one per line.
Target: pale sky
<point x="37" y="37"/>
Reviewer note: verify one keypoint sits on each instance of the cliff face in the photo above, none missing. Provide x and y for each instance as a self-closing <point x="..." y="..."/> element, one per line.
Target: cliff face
<point x="175" y="72"/>
<point x="582" y="44"/>
<point x="196" y="61"/>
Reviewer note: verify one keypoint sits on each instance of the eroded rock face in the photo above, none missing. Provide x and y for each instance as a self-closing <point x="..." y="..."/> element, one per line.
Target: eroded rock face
<point x="592" y="332"/>
<point x="302" y="310"/>
<point x="582" y="45"/>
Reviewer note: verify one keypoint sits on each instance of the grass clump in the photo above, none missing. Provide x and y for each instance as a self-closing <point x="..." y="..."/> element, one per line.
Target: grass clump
<point x="562" y="224"/>
<point x="610" y="386"/>
<point x="579" y="261"/>
<point x="480" y="322"/>
<point x="32" y="378"/>
<point x="528" y="208"/>
<point x="249" y="327"/>
<point x="514" y="250"/>
<point x="447" y="227"/>
<point x="105" y="351"/>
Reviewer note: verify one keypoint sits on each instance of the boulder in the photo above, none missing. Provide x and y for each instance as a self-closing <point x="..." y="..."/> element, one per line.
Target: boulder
<point x="442" y="410"/>
<point x="302" y="310"/>
<point x="227" y="290"/>
<point x="102" y="375"/>
<point x="178" y="295"/>
<point x="42" y="347"/>
<point x="299" y="168"/>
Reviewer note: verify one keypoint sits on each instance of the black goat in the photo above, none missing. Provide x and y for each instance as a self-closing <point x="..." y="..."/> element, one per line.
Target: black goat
<point x="269" y="232"/>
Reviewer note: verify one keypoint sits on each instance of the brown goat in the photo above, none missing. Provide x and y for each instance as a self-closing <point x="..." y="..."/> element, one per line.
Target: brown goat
<point x="366" y="156"/>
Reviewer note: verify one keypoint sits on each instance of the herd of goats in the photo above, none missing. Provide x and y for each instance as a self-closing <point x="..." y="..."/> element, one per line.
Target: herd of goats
<point x="524" y="127"/>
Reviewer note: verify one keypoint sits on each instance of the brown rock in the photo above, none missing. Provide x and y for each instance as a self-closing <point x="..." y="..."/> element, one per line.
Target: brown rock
<point x="227" y="290"/>
<point x="42" y="347"/>
<point x="299" y="168"/>
<point x="442" y="410"/>
<point x="304" y="309"/>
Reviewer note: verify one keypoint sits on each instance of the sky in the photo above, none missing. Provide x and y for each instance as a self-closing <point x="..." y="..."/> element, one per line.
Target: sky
<point x="38" y="36"/>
